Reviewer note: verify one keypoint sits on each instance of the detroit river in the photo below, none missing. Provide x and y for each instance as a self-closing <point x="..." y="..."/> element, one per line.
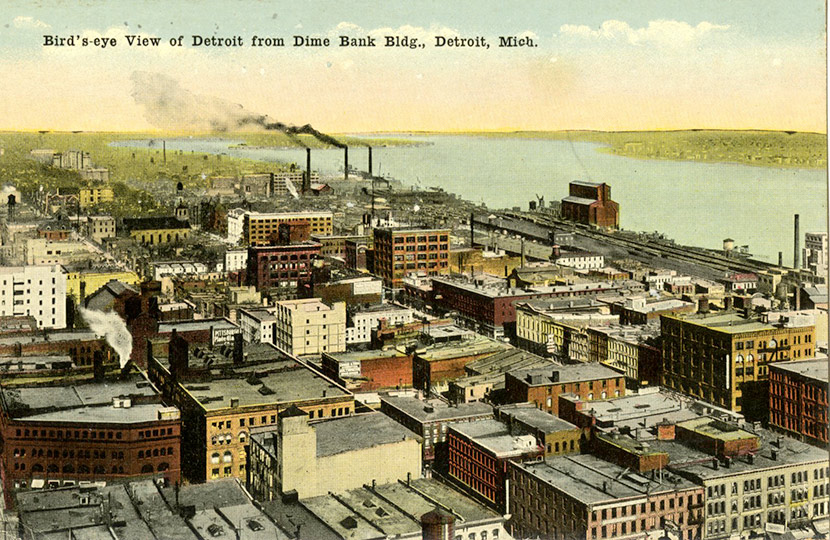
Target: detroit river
<point x="693" y="203"/>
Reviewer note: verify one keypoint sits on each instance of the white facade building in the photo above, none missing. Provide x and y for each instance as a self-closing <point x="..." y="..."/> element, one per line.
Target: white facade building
<point x="181" y="268"/>
<point x="235" y="260"/>
<point x="814" y="254"/>
<point x="310" y="326"/>
<point x="581" y="260"/>
<point x="257" y="325"/>
<point x="236" y="220"/>
<point x="366" y="320"/>
<point x="38" y="291"/>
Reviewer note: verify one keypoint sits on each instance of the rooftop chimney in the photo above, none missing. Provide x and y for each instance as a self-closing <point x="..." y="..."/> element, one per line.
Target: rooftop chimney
<point x="237" y="349"/>
<point x="98" y="366"/>
<point x="796" y="258"/>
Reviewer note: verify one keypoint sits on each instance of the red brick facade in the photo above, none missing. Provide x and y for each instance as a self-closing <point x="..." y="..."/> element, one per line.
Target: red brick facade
<point x="546" y="396"/>
<point x="798" y="405"/>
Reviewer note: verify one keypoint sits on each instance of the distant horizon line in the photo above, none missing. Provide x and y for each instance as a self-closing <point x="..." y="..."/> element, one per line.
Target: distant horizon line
<point x="422" y="131"/>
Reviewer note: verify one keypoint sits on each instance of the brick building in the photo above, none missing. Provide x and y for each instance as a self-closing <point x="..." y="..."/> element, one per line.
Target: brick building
<point x="89" y="431"/>
<point x="431" y="420"/>
<point x="798" y="400"/>
<point x="227" y="392"/>
<point x="370" y="371"/>
<point x="723" y="358"/>
<point x="488" y="304"/>
<point x="281" y="269"/>
<point x="400" y="251"/>
<point x="479" y="453"/>
<point x="435" y="366"/>
<point x="590" y="203"/>
<point x="79" y="345"/>
<point x="544" y="385"/>
<point x="585" y="497"/>
<point x="258" y="229"/>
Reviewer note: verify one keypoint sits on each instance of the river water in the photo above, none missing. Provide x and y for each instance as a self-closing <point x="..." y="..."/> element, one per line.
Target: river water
<point x="694" y="203"/>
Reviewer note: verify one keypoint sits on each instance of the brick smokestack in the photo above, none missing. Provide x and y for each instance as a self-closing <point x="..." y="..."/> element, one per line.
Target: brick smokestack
<point x="346" y="162"/>
<point x="307" y="177"/>
<point x="796" y="250"/>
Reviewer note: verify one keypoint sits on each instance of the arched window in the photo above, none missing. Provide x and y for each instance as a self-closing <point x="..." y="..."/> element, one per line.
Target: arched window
<point x="227" y="457"/>
<point x="69" y="469"/>
<point x="163" y="466"/>
<point x="141" y="454"/>
<point x="214" y="458"/>
<point x="52" y="468"/>
<point x="243" y="437"/>
<point x="739" y="359"/>
<point x="772" y="344"/>
<point x="99" y="469"/>
<point x="37" y="467"/>
<point x="749" y="358"/>
<point x="83" y="469"/>
<point x="147" y="468"/>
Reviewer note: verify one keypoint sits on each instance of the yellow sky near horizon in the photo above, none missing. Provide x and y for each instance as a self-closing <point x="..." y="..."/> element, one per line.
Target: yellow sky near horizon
<point x="619" y="77"/>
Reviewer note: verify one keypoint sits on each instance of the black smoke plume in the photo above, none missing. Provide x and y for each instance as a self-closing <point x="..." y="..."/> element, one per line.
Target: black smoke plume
<point x="169" y="106"/>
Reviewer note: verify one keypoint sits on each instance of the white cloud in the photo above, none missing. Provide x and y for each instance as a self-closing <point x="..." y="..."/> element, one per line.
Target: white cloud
<point x="24" y="21"/>
<point x="659" y="32"/>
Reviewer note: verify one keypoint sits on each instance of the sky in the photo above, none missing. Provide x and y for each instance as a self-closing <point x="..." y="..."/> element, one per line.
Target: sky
<point x="604" y="65"/>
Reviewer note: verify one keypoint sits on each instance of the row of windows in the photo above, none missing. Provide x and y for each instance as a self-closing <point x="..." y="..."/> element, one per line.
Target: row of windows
<point x="77" y="434"/>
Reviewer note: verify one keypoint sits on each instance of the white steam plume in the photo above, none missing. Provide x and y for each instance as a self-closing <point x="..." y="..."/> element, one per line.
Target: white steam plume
<point x="110" y="326"/>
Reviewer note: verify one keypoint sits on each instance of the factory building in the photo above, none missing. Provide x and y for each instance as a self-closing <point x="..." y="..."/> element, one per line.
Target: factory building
<point x="590" y="203"/>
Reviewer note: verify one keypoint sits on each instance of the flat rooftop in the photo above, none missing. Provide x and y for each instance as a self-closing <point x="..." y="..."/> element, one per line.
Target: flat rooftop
<point x="196" y="325"/>
<point x="528" y="414"/>
<point x="273" y="383"/>
<point x="635" y="409"/>
<point x="350" y="433"/>
<point x="59" y="335"/>
<point x="495" y="437"/>
<point x="477" y="345"/>
<point x="697" y="465"/>
<point x="593" y="481"/>
<point x="498" y="287"/>
<point x="578" y="200"/>
<point x="570" y="373"/>
<point x="60" y="401"/>
<point x="816" y="368"/>
<point x="721" y="431"/>
<point x="371" y="354"/>
<point x="436" y="410"/>
<point x="730" y="322"/>
<point x="392" y="510"/>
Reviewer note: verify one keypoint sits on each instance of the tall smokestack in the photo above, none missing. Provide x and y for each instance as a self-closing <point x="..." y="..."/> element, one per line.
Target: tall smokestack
<point x="796" y="254"/>
<point x="307" y="177"/>
<point x="164" y="150"/>
<point x="345" y="162"/>
<point x="780" y="259"/>
<point x="370" y="161"/>
<point x="472" y="230"/>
